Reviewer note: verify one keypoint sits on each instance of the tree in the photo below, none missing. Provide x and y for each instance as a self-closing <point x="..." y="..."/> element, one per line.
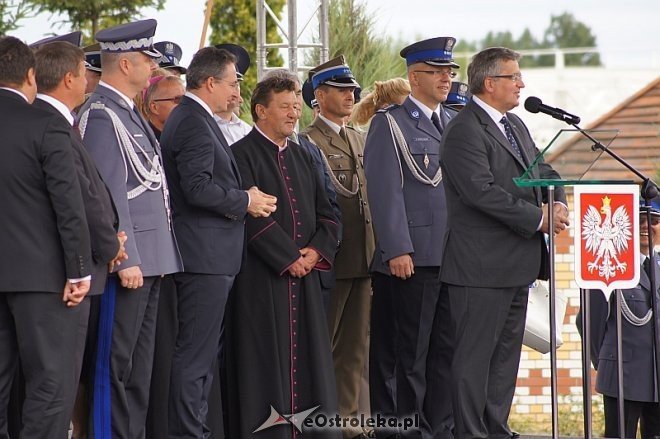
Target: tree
<point x="235" y="21"/>
<point x="89" y="16"/>
<point x="371" y="56"/>
<point x="565" y="31"/>
<point x="11" y="12"/>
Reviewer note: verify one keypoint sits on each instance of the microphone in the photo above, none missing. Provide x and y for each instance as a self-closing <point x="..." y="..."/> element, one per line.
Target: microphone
<point x="534" y="105"/>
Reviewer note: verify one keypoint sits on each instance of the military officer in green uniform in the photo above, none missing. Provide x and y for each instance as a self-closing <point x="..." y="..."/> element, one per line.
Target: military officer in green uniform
<point x="342" y="148"/>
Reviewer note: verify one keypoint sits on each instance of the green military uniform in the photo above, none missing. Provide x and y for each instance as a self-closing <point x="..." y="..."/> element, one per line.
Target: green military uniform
<point x="348" y="316"/>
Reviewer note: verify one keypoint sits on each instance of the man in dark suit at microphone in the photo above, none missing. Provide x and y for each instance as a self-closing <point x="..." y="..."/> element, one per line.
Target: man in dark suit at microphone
<point x="494" y="245"/>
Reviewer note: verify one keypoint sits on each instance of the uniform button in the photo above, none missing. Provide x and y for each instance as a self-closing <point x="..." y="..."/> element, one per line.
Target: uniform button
<point x="364" y="203"/>
<point x="135" y="226"/>
<point x="368" y="221"/>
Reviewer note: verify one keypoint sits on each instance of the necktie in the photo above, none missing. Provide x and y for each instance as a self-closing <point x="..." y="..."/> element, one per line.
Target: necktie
<point x="512" y="140"/>
<point x="646" y="264"/>
<point x="436" y="121"/>
<point x="342" y="134"/>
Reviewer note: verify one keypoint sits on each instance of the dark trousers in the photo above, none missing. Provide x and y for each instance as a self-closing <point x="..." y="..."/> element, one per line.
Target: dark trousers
<point x="41" y="330"/>
<point x="646" y="414"/>
<point x="201" y="301"/>
<point x="382" y="350"/>
<point x="488" y="329"/>
<point x="423" y="356"/>
<point x="131" y="358"/>
<point x="166" y="329"/>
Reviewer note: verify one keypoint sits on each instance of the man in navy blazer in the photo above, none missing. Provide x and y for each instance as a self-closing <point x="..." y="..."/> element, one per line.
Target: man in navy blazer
<point x="209" y="214"/>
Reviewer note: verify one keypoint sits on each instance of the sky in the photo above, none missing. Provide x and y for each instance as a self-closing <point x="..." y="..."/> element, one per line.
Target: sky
<point x="627" y="33"/>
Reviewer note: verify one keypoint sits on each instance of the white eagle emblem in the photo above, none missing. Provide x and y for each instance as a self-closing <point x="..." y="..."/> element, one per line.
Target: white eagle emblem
<point x="606" y="238"/>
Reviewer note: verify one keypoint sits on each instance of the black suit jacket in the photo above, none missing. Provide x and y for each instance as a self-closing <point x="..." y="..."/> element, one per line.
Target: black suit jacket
<point x="491" y="238"/>
<point x="208" y="204"/>
<point x="99" y="208"/>
<point x="45" y="238"/>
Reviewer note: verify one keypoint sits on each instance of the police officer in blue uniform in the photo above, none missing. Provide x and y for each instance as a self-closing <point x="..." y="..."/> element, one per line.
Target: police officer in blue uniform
<point x="171" y="57"/>
<point x="459" y="95"/>
<point x="402" y="164"/>
<point x="127" y="155"/>
<point x="641" y="404"/>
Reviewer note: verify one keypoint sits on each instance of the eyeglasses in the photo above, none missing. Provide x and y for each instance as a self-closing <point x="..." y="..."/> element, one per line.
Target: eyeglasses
<point x="232" y="84"/>
<point x="515" y="77"/>
<point x="175" y="99"/>
<point x="435" y="73"/>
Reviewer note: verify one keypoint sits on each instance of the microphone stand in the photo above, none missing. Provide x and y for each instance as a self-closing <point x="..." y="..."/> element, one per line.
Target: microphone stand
<point x="649" y="191"/>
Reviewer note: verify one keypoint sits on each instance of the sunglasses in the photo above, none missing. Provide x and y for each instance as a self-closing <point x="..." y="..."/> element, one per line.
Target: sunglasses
<point x="175" y="99"/>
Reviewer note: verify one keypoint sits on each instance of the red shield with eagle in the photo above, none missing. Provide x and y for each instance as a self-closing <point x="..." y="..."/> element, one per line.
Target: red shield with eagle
<point x="607" y="237"/>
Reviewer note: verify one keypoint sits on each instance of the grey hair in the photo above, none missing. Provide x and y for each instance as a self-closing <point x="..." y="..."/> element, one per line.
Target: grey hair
<point x="282" y="74"/>
<point x="487" y="63"/>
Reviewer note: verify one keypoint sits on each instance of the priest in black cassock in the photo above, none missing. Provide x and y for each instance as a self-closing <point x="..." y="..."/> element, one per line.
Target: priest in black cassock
<point x="278" y="354"/>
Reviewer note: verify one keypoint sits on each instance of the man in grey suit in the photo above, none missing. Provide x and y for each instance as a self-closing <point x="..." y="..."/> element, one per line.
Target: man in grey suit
<point x="127" y="155"/>
<point x="494" y="246"/>
<point x="210" y="209"/>
<point x="402" y="164"/>
<point x="641" y="404"/>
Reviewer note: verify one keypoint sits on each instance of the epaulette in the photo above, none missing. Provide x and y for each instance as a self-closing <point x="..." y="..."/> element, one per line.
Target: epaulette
<point x="357" y="130"/>
<point x="449" y="110"/>
<point x="388" y="108"/>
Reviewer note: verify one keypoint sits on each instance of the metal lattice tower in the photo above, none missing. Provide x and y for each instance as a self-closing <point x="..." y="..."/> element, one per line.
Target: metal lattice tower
<point x="291" y="34"/>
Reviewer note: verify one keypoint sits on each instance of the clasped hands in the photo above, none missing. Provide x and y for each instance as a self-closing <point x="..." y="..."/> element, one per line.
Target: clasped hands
<point x="560" y="214"/>
<point x="305" y="263"/>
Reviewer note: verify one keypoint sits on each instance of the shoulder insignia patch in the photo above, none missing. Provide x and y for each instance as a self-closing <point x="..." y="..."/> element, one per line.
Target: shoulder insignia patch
<point x="388" y="108"/>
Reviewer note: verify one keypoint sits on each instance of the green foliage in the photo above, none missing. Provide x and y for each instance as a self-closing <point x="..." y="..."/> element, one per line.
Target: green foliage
<point x="11" y="12"/>
<point x="571" y="419"/>
<point x="371" y="56"/>
<point x="564" y="31"/>
<point x="89" y="16"/>
<point x="235" y="21"/>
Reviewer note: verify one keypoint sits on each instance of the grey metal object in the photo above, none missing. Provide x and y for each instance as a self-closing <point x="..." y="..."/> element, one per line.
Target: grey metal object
<point x="585" y="301"/>
<point x="619" y="365"/>
<point x="553" y="321"/>
<point x="292" y="34"/>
